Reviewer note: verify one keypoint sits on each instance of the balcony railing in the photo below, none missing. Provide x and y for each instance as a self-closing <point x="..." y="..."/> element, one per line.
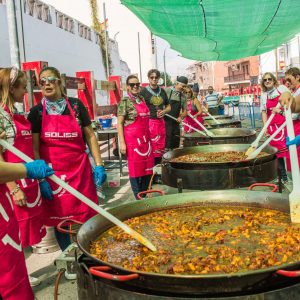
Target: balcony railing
<point x="237" y="78"/>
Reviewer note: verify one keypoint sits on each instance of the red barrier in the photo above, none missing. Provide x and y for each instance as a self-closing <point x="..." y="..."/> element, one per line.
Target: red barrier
<point x="116" y="95"/>
<point x="87" y="95"/>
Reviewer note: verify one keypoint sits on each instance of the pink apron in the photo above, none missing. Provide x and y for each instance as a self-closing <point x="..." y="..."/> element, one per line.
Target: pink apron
<point x="279" y="140"/>
<point x="138" y="144"/>
<point x="29" y="217"/>
<point x="14" y="283"/>
<point x="296" y="124"/>
<point x="62" y="146"/>
<point x="157" y="129"/>
<point x="191" y="121"/>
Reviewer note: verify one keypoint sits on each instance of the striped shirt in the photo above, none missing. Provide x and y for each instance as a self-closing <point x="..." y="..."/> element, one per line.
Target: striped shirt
<point x="212" y="99"/>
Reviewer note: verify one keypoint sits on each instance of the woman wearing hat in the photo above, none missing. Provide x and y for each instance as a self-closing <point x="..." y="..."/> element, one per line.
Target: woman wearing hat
<point x="178" y="110"/>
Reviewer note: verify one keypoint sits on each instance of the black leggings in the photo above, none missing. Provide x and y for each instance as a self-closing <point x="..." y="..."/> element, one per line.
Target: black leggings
<point x="281" y="168"/>
<point x="172" y="134"/>
<point x="139" y="184"/>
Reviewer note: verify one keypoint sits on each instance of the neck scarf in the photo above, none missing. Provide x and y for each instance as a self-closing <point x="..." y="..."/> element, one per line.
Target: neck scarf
<point x="55" y="107"/>
<point x="136" y="99"/>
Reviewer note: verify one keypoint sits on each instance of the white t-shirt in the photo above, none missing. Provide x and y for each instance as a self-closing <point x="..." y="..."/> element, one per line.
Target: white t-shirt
<point x="296" y="116"/>
<point x="264" y="96"/>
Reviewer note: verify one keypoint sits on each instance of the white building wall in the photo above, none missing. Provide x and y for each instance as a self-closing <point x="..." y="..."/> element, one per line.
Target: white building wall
<point x="289" y="53"/>
<point x="64" y="50"/>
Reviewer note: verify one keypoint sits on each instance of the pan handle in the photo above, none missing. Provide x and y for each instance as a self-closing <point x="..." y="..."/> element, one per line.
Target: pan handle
<point x="98" y="271"/>
<point x="139" y="195"/>
<point x="288" y="273"/>
<point x="202" y="143"/>
<point x="60" y="228"/>
<point x="272" y="185"/>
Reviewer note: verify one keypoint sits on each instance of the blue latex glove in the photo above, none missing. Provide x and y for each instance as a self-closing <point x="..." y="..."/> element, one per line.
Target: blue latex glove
<point x="99" y="175"/>
<point x="295" y="141"/>
<point x="38" y="169"/>
<point x="46" y="190"/>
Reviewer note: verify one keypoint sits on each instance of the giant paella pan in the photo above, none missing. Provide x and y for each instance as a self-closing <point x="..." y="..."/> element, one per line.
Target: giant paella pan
<point x="214" y="167"/>
<point x="221" y="136"/>
<point x="223" y="123"/>
<point x="208" y="242"/>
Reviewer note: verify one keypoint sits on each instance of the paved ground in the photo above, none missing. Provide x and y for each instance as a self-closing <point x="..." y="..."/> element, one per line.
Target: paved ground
<point x="42" y="265"/>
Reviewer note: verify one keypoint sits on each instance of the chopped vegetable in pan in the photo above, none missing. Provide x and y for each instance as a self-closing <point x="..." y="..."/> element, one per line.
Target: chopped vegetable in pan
<point x="228" y="156"/>
<point x="203" y="240"/>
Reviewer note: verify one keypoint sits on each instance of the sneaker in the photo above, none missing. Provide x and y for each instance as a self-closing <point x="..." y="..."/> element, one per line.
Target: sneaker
<point x="34" y="281"/>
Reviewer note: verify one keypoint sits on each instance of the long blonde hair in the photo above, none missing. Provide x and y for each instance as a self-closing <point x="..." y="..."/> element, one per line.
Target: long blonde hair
<point x="6" y="98"/>
<point x="262" y="83"/>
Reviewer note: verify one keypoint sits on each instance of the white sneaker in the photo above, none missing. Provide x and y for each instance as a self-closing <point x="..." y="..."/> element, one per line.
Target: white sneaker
<point x="34" y="281"/>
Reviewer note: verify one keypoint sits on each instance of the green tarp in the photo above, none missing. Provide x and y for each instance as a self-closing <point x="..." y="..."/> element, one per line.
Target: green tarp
<point x="220" y="29"/>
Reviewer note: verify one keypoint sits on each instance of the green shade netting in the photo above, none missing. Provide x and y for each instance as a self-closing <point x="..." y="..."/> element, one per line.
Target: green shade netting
<point x="220" y="29"/>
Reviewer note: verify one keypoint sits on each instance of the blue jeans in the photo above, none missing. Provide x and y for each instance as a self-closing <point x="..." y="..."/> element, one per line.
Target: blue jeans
<point x="221" y="110"/>
<point x="139" y="184"/>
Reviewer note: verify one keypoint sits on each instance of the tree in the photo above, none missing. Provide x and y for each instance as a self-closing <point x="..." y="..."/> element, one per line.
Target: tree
<point x="169" y="81"/>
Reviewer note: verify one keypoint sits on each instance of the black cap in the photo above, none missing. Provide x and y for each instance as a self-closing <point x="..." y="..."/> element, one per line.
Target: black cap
<point x="195" y="88"/>
<point x="182" y="79"/>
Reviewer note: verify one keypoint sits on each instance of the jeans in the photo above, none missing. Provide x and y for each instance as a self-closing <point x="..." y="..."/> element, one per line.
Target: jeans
<point x="221" y="110"/>
<point x="172" y="134"/>
<point x="139" y="184"/>
<point x="63" y="239"/>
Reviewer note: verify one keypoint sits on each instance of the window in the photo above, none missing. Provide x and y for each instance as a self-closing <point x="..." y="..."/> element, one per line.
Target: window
<point x="247" y="69"/>
<point x="38" y="10"/>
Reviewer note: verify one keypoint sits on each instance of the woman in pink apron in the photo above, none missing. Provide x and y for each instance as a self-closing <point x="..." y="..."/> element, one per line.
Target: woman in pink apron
<point x="14" y="283"/>
<point x="194" y="109"/>
<point x="269" y="100"/>
<point x="292" y="76"/>
<point x="25" y="193"/>
<point x="134" y="135"/>
<point x="60" y="139"/>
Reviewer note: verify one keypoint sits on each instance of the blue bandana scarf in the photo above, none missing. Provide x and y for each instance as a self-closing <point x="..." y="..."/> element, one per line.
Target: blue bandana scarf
<point x="55" y="107"/>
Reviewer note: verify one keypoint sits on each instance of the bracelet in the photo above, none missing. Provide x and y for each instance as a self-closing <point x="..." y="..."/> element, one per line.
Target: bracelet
<point x="41" y="180"/>
<point x="15" y="190"/>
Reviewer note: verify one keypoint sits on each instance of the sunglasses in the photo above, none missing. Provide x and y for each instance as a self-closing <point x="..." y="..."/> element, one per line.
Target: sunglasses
<point x="154" y="77"/>
<point x="268" y="79"/>
<point x="132" y="85"/>
<point x="50" y="79"/>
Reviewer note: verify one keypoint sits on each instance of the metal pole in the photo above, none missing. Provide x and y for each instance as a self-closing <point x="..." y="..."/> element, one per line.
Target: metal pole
<point x="276" y="62"/>
<point x="165" y="71"/>
<point x="140" y="64"/>
<point x="106" y="41"/>
<point x="298" y="48"/>
<point x="30" y="89"/>
<point x="12" y="33"/>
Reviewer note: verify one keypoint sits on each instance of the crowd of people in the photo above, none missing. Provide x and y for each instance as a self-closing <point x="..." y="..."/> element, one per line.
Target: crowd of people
<point x="58" y="133"/>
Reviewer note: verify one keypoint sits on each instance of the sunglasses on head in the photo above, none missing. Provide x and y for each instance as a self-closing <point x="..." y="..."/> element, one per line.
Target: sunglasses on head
<point x="50" y="79"/>
<point x="268" y="79"/>
<point x="132" y="85"/>
<point x="153" y="77"/>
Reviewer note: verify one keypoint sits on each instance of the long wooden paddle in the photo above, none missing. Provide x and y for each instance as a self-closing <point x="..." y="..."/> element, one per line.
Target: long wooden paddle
<point x="294" y="196"/>
<point x="84" y="199"/>
<point x="209" y="133"/>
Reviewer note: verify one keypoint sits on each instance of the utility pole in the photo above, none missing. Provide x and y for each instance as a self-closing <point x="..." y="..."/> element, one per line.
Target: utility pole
<point x="13" y="33"/>
<point x="298" y="38"/>
<point x="276" y="62"/>
<point x="106" y="41"/>
<point x="165" y="70"/>
<point x="140" y="63"/>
